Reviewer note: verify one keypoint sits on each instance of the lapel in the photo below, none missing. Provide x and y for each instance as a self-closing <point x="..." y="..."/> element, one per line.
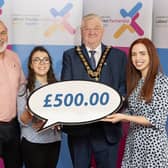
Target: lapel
<point x="85" y="53"/>
<point x="103" y="47"/>
<point x="82" y="52"/>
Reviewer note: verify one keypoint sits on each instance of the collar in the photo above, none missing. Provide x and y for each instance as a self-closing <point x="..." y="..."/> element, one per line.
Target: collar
<point x="97" y="49"/>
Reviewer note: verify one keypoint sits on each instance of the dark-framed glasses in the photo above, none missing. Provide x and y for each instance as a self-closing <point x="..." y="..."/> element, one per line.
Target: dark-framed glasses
<point x="44" y="60"/>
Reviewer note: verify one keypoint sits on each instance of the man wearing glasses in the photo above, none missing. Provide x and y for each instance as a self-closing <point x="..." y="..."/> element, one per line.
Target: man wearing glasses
<point x="94" y="61"/>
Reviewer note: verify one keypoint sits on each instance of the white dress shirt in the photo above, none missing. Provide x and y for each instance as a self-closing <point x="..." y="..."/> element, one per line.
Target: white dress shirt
<point x="97" y="54"/>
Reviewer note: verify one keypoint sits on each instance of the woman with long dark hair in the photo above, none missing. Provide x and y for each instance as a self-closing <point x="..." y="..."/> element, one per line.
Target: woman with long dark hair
<point x="39" y="149"/>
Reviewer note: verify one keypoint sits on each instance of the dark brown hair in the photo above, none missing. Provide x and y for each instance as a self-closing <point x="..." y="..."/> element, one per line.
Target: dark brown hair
<point x="31" y="74"/>
<point x="133" y="75"/>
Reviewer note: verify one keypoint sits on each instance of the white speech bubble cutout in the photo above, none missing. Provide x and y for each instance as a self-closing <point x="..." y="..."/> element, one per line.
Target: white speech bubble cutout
<point x="73" y="102"/>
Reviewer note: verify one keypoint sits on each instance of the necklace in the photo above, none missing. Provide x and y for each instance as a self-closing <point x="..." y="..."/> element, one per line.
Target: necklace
<point x="93" y="73"/>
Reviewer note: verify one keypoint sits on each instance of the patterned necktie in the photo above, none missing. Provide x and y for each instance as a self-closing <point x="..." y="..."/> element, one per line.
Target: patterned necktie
<point x="92" y="59"/>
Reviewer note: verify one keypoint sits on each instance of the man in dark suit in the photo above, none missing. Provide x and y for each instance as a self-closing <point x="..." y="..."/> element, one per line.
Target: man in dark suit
<point x="100" y="138"/>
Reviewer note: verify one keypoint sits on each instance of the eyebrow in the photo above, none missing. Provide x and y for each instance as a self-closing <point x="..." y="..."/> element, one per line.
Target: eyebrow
<point x="41" y="57"/>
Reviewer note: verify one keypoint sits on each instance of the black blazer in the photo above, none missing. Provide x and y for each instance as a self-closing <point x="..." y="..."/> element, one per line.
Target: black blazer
<point x="113" y="74"/>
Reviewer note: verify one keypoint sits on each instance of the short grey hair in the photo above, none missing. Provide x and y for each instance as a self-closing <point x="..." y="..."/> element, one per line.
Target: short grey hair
<point x="91" y="16"/>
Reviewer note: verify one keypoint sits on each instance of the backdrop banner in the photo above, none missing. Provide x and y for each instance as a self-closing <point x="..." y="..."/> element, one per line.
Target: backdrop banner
<point x="44" y="22"/>
<point x="124" y="20"/>
<point x="56" y="26"/>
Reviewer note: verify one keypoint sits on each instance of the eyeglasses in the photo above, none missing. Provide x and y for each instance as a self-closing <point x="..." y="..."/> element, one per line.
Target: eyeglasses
<point x="3" y="33"/>
<point x="92" y="29"/>
<point x="38" y="60"/>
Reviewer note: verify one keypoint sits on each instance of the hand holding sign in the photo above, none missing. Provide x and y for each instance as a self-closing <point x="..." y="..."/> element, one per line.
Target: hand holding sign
<point x="73" y="102"/>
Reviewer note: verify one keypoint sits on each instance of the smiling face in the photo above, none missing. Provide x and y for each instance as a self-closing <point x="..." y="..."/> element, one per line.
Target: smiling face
<point x="140" y="58"/>
<point x="92" y="32"/>
<point x="3" y="37"/>
<point x="40" y="64"/>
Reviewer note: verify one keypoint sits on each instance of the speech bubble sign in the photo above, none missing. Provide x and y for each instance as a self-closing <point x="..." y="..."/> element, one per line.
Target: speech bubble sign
<point x="73" y="102"/>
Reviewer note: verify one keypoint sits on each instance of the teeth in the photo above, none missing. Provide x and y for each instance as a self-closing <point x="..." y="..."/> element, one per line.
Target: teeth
<point x="139" y="63"/>
<point x="42" y="68"/>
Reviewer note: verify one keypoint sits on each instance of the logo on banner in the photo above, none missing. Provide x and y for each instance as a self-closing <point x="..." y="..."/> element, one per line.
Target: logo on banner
<point x="1" y="4"/>
<point x="133" y="26"/>
<point x="61" y="20"/>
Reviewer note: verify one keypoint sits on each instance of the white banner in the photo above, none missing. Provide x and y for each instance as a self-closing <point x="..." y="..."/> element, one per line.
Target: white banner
<point x="43" y="21"/>
<point x="124" y="20"/>
<point x="160" y="23"/>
